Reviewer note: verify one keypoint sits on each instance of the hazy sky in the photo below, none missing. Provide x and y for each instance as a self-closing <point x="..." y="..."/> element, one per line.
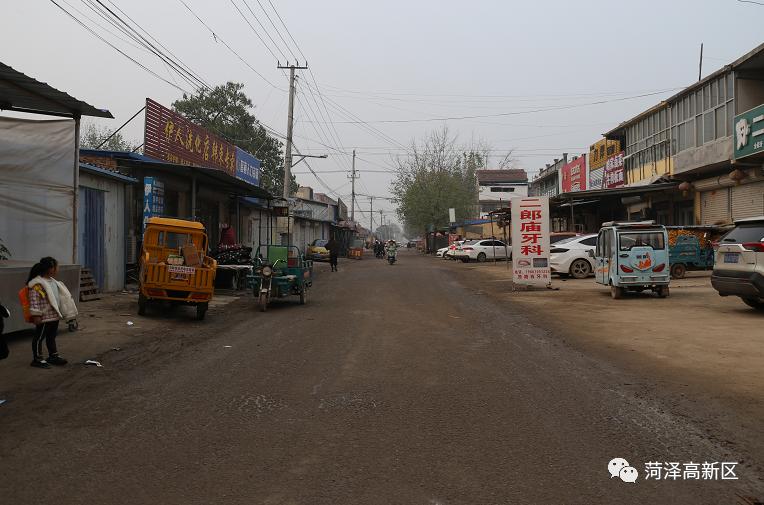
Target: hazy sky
<point x="409" y="60"/>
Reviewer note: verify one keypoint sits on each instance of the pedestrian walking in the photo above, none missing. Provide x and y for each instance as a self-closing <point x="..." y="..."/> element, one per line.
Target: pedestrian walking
<point x="334" y="252"/>
<point x="49" y="302"/>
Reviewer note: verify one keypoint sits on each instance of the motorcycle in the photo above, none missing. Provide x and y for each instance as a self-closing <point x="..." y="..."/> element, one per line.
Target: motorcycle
<point x="391" y="257"/>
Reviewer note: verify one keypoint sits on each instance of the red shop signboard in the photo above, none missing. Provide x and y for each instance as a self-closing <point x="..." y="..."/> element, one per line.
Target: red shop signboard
<point x="574" y="176"/>
<point x="172" y="138"/>
<point x="614" y="172"/>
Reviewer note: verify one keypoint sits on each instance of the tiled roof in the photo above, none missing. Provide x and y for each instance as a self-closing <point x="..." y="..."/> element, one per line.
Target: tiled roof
<point x="516" y="175"/>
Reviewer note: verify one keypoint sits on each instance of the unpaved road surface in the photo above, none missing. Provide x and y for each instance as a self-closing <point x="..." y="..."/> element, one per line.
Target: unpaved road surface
<point x="402" y="384"/>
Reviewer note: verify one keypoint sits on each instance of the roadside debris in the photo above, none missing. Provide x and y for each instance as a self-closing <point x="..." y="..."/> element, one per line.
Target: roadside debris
<point x="2" y="401"/>
<point x="116" y="348"/>
<point x="130" y="323"/>
<point x="94" y="362"/>
<point x="227" y="346"/>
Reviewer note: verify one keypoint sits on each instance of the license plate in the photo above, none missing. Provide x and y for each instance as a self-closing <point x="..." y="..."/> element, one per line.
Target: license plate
<point x="731" y="257"/>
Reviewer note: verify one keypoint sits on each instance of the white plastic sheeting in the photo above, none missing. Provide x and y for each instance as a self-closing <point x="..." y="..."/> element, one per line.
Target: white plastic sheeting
<point x="37" y="188"/>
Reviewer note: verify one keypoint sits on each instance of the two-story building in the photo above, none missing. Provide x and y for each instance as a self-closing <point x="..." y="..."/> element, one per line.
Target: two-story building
<point x="496" y="187"/>
<point x="689" y="138"/>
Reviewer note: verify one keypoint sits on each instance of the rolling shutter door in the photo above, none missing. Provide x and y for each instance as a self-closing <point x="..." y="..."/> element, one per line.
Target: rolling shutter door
<point x="747" y="200"/>
<point x="714" y="206"/>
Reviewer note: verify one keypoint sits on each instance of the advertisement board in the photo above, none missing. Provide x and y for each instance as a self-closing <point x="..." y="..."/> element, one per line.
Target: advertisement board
<point x="614" y="172"/>
<point x="247" y="167"/>
<point x="153" y="199"/>
<point x="600" y="151"/>
<point x="573" y="175"/>
<point x="170" y="137"/>
<point x="530" y="241"/>
<point x="748" y="132"/>
<point x="595" y="178"/>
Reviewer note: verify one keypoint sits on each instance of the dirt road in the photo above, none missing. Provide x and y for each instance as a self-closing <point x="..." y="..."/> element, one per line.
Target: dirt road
<point x="401" y="384"/>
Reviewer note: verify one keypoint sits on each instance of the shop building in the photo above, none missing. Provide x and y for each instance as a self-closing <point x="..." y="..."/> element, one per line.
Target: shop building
<point x="547" y="182"/>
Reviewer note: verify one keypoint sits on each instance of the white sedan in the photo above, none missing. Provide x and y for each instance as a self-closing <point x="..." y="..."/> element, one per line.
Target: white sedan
<point x="441" y="252"/>
<point x="570" y="256"/>
<point x="482" y="250"/>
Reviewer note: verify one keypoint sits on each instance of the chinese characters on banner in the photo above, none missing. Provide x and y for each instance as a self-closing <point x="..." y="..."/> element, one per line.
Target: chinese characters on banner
<point x="574" y="175"/>
<point x="530" y="241"/>
<point x="614" y="172"/>
<point x="247" y="167"/>
<point x="153" y="199"/>
<point x="173" y="138"/>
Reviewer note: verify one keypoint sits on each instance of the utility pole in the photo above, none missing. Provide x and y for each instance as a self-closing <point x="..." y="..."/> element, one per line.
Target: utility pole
<point x="353" y="177"/>
<point x="700" y="63"/>
<point x="290" y="125"/>
<point x="371" y="214"/>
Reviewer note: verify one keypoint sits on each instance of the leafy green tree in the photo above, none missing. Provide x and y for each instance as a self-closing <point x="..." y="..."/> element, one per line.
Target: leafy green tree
<point x="92" y="135"/>
<point x="436" y="175"/>
<point x="227" y="111"/>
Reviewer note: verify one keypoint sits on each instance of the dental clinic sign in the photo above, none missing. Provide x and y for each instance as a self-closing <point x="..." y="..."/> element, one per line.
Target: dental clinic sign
<point x="530" y="241"/>
<point x="748" y="129"/>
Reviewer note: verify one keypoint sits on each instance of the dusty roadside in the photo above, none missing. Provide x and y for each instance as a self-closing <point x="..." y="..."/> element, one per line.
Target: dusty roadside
<point x="703" y="351"/>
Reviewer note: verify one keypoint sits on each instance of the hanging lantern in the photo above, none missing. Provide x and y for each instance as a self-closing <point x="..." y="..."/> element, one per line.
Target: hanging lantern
<point x="685" y="188"/>
<point x="738" y="175"/>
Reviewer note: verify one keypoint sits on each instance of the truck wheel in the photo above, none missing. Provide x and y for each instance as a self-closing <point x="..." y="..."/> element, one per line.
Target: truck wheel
<point x="201" y="310"/>
<point x="663" y="291"/>
<point x="754" y="303"/>
<point x="580" y="269"/>
<point x="262" y="302"/>
<point x="616" y="292"/>
<point x="142" y="302"/>
<point x="678" y="271"/>
<point x="481" y="257"/>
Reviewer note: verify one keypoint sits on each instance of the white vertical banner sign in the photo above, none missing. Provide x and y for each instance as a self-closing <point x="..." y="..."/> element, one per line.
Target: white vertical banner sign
<point x="452" y="215"/>
<point x="530" y="241"/>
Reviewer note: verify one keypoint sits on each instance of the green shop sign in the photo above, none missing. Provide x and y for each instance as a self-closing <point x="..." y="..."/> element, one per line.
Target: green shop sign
<point x="749" y="132"/>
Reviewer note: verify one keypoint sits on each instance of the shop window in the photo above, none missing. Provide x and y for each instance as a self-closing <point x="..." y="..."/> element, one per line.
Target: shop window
<point x="730" y="114"/>
<point x="682" y="142"/>
<point x="706" y="97"/>
<point x="708" y="126"/>
<point x="730" y="87"/>
<point x="721" y="120"/>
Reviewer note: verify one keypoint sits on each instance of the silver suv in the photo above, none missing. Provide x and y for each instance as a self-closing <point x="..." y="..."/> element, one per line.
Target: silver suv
<point x="739" y="263"/>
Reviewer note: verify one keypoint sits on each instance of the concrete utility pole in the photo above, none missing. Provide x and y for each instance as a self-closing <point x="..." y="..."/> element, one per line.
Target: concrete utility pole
<point x="371" y="214"/>
<point x="290" y="126"/>
<point x="353" y="177"/>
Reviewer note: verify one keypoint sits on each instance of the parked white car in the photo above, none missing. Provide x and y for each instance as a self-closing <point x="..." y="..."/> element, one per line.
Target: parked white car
<point x="450" y="250"/>
<point x="482" y="250"/>
<point x="441" y="252"/>
<point x="570" y="256"/>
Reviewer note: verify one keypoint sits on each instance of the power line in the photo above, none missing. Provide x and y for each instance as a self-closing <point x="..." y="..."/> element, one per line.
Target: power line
<point x="264" y="30"/>
<point x="503" y="114"/>
<point x="102" y="39"/>
<point x="116" y="20"/>
<point x="216" y="37"/>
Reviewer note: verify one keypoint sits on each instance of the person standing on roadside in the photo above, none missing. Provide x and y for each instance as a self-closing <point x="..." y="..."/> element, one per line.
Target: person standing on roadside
<point x="49" y="302"/>
<point x="334" y="252"/>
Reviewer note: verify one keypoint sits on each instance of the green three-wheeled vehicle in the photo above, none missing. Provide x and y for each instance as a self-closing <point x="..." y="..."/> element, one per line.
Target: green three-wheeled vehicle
<point x="280" y="271"/>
